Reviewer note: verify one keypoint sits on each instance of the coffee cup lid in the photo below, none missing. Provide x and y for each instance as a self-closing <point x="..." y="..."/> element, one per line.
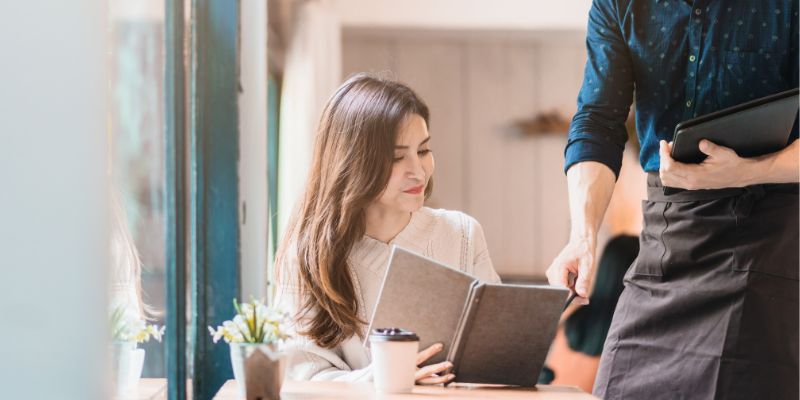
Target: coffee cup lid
<point x="393" y="335"/>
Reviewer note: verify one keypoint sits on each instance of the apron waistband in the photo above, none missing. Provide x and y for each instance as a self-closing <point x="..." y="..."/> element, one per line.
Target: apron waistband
<point x="655" y="191"/>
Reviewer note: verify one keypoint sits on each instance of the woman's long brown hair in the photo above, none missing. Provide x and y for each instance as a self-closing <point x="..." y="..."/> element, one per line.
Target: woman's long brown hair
<point x="351" y="167"/>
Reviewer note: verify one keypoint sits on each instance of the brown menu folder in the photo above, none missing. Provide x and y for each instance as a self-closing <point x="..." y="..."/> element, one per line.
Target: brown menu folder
<point x="492" y="333"/>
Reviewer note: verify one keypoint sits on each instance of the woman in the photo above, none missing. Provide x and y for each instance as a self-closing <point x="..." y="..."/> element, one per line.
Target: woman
<point x="369" y="178"/>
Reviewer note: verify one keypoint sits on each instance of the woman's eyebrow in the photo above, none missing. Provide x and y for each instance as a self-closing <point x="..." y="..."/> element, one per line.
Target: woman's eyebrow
<point x="420" y="143"/>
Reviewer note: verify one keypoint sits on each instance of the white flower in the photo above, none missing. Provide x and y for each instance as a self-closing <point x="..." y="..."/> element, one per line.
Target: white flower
<point x="253" y="323"/>
<point x="127" y="327"/>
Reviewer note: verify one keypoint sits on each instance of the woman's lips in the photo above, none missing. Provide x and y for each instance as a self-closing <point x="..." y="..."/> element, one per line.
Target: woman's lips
<point x="415" y="190"/>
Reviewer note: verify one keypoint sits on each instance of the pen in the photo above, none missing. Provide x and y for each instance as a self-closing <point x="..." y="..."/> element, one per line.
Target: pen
<point x="569" y="300"/>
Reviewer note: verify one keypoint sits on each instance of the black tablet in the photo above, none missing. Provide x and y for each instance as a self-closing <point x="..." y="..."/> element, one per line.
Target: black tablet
<point x="754" y="128"/>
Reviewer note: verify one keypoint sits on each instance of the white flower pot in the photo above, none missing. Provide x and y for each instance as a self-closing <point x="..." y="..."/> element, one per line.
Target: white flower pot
<point x="127" y="364"/>
<point x="272" y="374"/>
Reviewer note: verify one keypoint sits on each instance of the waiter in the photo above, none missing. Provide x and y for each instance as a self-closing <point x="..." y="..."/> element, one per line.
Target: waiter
<point x="710" y="306"/>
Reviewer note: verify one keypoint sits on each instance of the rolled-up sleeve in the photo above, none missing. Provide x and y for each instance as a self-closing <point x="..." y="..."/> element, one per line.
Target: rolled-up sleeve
<point x="597" y="132"/>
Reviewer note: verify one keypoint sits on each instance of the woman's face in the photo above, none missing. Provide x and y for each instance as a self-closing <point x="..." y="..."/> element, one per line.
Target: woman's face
<point x="412" y="168"/>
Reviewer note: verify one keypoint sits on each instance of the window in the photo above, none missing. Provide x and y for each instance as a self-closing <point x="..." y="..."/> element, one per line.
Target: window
<point x="136" y="134"/>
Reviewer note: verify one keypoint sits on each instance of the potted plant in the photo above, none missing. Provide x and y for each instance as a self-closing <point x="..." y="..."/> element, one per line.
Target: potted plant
<point x="256" y="328"/>
<point x="127" y="331"/>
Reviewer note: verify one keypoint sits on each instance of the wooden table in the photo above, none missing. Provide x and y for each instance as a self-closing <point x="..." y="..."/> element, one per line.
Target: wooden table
<point x="147" y="389"/>
<point x="294" y="390"/>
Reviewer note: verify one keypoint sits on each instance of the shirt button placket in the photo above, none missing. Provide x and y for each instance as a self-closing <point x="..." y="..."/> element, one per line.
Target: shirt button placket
<point x="695" y="32"/>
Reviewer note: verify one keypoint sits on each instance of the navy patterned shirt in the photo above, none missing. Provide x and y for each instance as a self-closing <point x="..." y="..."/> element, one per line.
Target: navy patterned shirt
<point x="679" y="59"/>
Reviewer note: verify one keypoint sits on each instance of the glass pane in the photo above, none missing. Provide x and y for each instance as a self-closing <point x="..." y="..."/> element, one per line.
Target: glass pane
<point x="137" y="169"/>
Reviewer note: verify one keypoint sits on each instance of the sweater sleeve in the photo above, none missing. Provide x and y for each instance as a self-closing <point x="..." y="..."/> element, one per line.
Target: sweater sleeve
<point x="482" y="267"/>
<point x="309" y="362"/>
<point x="305" y="359"/>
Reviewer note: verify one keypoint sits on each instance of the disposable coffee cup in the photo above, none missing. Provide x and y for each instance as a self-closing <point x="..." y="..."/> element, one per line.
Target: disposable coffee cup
<point x="394" y="359"/>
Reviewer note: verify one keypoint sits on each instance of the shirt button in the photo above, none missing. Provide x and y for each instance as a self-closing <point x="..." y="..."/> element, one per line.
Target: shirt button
<point x="689" y="103"/>
<point x="691" y="58"/>
<point x="697" y="11"/>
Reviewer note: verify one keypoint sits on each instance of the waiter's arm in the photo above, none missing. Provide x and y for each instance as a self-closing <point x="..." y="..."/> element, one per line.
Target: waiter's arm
<point x="597" y="135"/>
<point x="724" y="168"/>
<point x="779" y="167"/>
<point x="590" y="186"/>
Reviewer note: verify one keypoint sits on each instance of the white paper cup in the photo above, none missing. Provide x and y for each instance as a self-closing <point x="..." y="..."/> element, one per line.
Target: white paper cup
<point x="394" y="360"/>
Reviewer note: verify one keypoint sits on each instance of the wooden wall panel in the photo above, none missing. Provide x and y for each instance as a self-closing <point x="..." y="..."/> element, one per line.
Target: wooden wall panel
<point x="367" y="55"/>
<point x="486" y="151"/>
<point x="441" y="88"/>
<point x="552" y="199"/>
<point x="560" y="65"/>
<point x="521" y="206"/>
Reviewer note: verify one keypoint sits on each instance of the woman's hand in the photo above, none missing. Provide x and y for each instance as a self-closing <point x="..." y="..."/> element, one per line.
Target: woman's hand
<point x="431" y="374"/>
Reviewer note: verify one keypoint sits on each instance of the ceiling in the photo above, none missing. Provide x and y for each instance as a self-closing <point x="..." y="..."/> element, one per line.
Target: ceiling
<point x="503" y="15"/>
<point x="456" y="15"/>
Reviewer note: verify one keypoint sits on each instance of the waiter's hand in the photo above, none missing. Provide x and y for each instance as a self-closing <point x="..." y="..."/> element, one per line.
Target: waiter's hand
<point x="577" y="258"/>
<point x="723" y="168"/>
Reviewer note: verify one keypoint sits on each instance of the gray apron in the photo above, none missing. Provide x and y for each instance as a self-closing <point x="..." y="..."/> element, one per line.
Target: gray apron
<point x="710" y="306"/>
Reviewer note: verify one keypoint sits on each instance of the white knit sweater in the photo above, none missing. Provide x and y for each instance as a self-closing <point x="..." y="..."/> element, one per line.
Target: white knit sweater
<point x="449" y="237"/>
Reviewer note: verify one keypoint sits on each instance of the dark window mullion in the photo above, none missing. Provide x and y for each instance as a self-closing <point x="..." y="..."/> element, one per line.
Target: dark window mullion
<point x="175" y="117"/>
<point x="214" y="215"/>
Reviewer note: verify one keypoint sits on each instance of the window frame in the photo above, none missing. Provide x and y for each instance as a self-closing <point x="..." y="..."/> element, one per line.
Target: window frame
<point x="202" y="191"/>
<point x="175" y="193"/>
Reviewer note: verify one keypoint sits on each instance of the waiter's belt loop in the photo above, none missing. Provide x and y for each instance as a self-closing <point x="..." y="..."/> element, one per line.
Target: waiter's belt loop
<point x="745" y="202"/>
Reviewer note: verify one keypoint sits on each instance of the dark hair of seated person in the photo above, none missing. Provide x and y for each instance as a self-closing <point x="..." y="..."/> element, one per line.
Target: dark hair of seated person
<point x="586" y="329"/>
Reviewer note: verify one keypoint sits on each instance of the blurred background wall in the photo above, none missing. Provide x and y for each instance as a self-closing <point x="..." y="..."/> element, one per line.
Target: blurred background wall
<point x="501" y="79"/>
